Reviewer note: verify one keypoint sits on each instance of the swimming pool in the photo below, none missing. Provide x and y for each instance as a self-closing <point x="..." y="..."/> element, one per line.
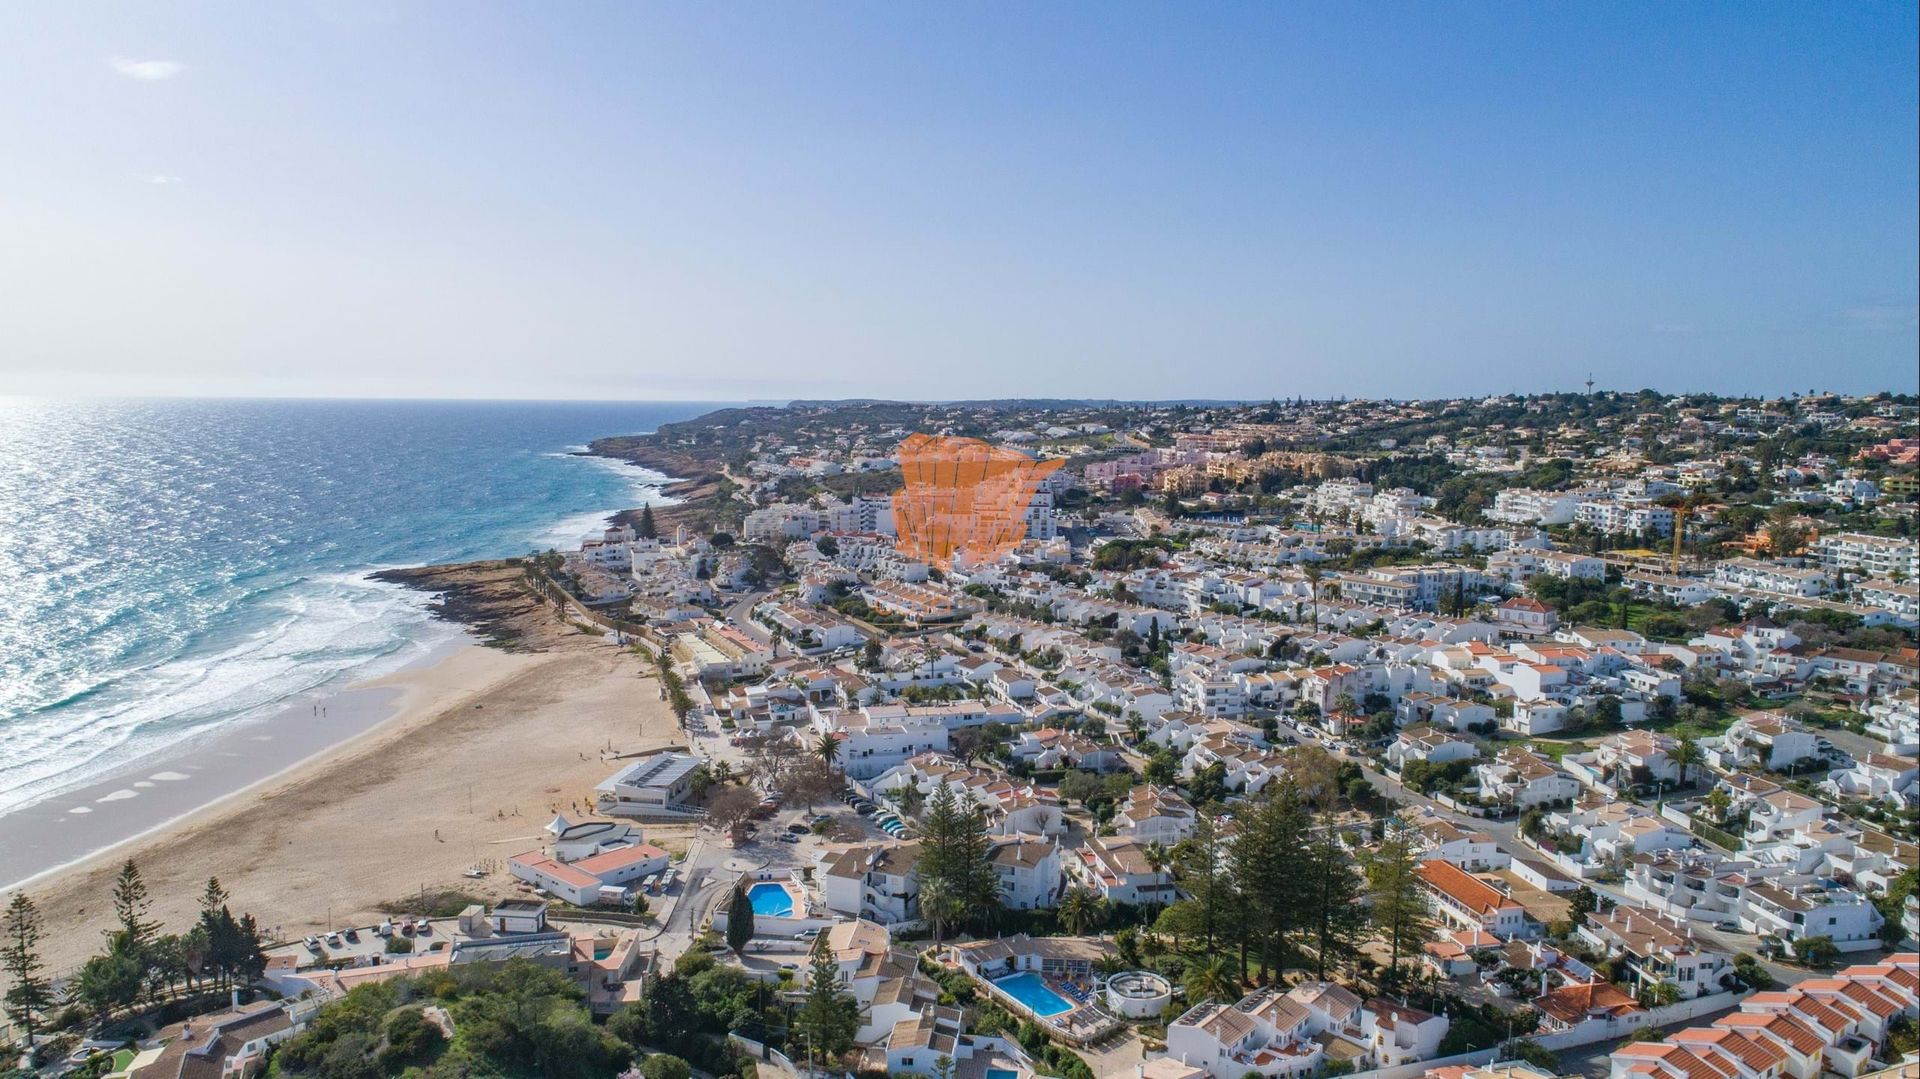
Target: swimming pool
<point x="1002" y="1073"/>
<point x="1032" y="990"/>
<point x="770" y="899"/>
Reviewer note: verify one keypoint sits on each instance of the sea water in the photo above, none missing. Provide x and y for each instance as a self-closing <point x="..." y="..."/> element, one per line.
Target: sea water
<point x="170" y="566"/>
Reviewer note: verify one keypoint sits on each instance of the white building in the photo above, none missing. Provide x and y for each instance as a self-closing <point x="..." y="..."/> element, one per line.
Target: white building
<point x="1868" y="555"/>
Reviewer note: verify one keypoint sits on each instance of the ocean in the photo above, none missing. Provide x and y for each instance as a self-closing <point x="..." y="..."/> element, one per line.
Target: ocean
<point x="169" y="567"/>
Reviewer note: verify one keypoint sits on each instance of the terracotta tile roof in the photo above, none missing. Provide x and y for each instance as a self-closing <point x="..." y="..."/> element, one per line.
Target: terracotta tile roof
<point x="1674" y="1057"/>
<point x="1463" y="887"/>
<point x="1757" y="1055"/>
<point x="1573" y="1003"/>
<point x="1784" y="1029"/>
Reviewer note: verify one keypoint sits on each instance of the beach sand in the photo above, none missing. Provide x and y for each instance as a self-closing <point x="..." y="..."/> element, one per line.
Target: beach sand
<point x="484" y="746"/>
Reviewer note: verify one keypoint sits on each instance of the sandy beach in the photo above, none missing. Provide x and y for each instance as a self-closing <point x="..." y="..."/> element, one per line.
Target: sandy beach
<point x="483" y="745"/>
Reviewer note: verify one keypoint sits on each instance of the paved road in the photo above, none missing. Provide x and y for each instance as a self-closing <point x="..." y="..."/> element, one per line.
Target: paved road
<point x="737" y="614"/>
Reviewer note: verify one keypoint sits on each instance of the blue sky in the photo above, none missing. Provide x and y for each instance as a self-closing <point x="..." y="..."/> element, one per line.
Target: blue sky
<point x="350" y="197"/>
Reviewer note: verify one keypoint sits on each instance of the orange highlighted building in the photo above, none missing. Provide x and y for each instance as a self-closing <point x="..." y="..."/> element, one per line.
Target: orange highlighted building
<point x="963" y="495"/>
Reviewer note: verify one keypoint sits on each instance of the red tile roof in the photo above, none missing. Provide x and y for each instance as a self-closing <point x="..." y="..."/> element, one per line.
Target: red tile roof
<point x="1463" y="887"/>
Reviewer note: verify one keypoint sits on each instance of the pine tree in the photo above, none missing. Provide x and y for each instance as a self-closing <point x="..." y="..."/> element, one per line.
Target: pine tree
<point x="130" y="907"/>
<point x="250" y="951"/>
<point x="739" y="921"/>
<point x="830" y="1017"/>
<point x="1399" y="907"/>
<point x="1200" y="860"/>
<point x="957" y="881"/>
<point x="647" y="529"/>
<point x="1269" y="873"/>
<point x="213" y="897"/>
<point x="30" y="993"/>
<point x="1337" y="921"/>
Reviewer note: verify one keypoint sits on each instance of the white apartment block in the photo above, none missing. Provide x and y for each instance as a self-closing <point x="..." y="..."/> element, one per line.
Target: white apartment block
<point x="876" y="881"/>
<point x="1871" y="556"/>
<point x="1899" y="598"/>
<point x="1761" y="576"/>
<point x="1280" y="1035"/>
<point x="1619" y="517"/>
<point x="1658" y="950"/>
<point x="1761" y="898"/>
<point x="1526" y="506"/>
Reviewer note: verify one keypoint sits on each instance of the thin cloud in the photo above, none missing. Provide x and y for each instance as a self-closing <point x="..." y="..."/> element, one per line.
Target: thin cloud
<point x="147" y="70"/>
<point x="162" y="178"/>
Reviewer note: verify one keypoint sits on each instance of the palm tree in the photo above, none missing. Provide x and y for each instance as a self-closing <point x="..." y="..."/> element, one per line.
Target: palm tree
<point x="1077" y="909"/>
<point x="1314" y="573"/>
<point x="1684" y="754"/>
<point x="828" y="747"/>
<point x="1211" y="981"/>
<point x="1156" y="856"/>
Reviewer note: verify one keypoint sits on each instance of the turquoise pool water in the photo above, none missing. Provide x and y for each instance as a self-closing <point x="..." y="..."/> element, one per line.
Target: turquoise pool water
<point x="770" y="899"/>
<point x="1001" y="1073"/>
<point x="1030" y="989"/>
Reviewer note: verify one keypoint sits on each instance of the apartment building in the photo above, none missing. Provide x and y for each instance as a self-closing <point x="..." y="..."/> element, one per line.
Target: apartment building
<point x="875" y="881"/>
<point x="1658" y="951"/>
<point x="1616" y="517"/>
<point x="1524" y="506"/>
<point x="1868" y="555"/>
<point x="1773" y="577"/>
<point x="1523" y="778"/>
<point x="1029" y="869"/>
<point x="1123" y="870"/>
<point x="1836" y="1024"/>
<point x="1760" y="898"/>
<point x="1274" y="1034"/>
<point x="1469" y="902"/>
<point x="1155" y="815"/>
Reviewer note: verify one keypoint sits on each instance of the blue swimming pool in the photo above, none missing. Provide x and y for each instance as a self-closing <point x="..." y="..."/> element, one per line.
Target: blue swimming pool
<point x="1032" y="990"/>
<point x="1002" y="1073"/>
<point x="770" y="899"/>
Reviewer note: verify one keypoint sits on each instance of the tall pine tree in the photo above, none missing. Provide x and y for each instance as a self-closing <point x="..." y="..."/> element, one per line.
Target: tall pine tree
<point x="130" y="905"/>
<point x="739" y="921"/>
<point x="957" y="881"/>
<point x="830" y="1017"/>
<point x="1201" y="861"/>
<point x="1269" y="874"/>
<point x="1399" y="907"/>
<point x="29" y="993"/>
<point x="1337" y="921"/>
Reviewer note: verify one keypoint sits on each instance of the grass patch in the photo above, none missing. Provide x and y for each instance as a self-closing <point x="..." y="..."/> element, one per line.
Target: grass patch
<point x="441" y="903"/>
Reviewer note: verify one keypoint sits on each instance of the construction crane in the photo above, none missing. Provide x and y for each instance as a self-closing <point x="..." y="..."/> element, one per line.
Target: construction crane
<point x="1681" y="508"/>
<point x="1679" y="532"/>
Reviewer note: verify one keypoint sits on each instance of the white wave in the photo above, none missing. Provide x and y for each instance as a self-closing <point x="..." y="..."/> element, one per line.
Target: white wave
<point x="645" y="487"/>
<point x="328" y="630"/>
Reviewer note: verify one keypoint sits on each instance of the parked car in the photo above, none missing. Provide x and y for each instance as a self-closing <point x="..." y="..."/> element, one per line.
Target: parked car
<point x="351" y="934"/>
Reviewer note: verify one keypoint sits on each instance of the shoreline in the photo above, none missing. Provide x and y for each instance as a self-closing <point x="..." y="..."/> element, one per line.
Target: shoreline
<point x="693" y="488"/>
<point x="457" y="759"/>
